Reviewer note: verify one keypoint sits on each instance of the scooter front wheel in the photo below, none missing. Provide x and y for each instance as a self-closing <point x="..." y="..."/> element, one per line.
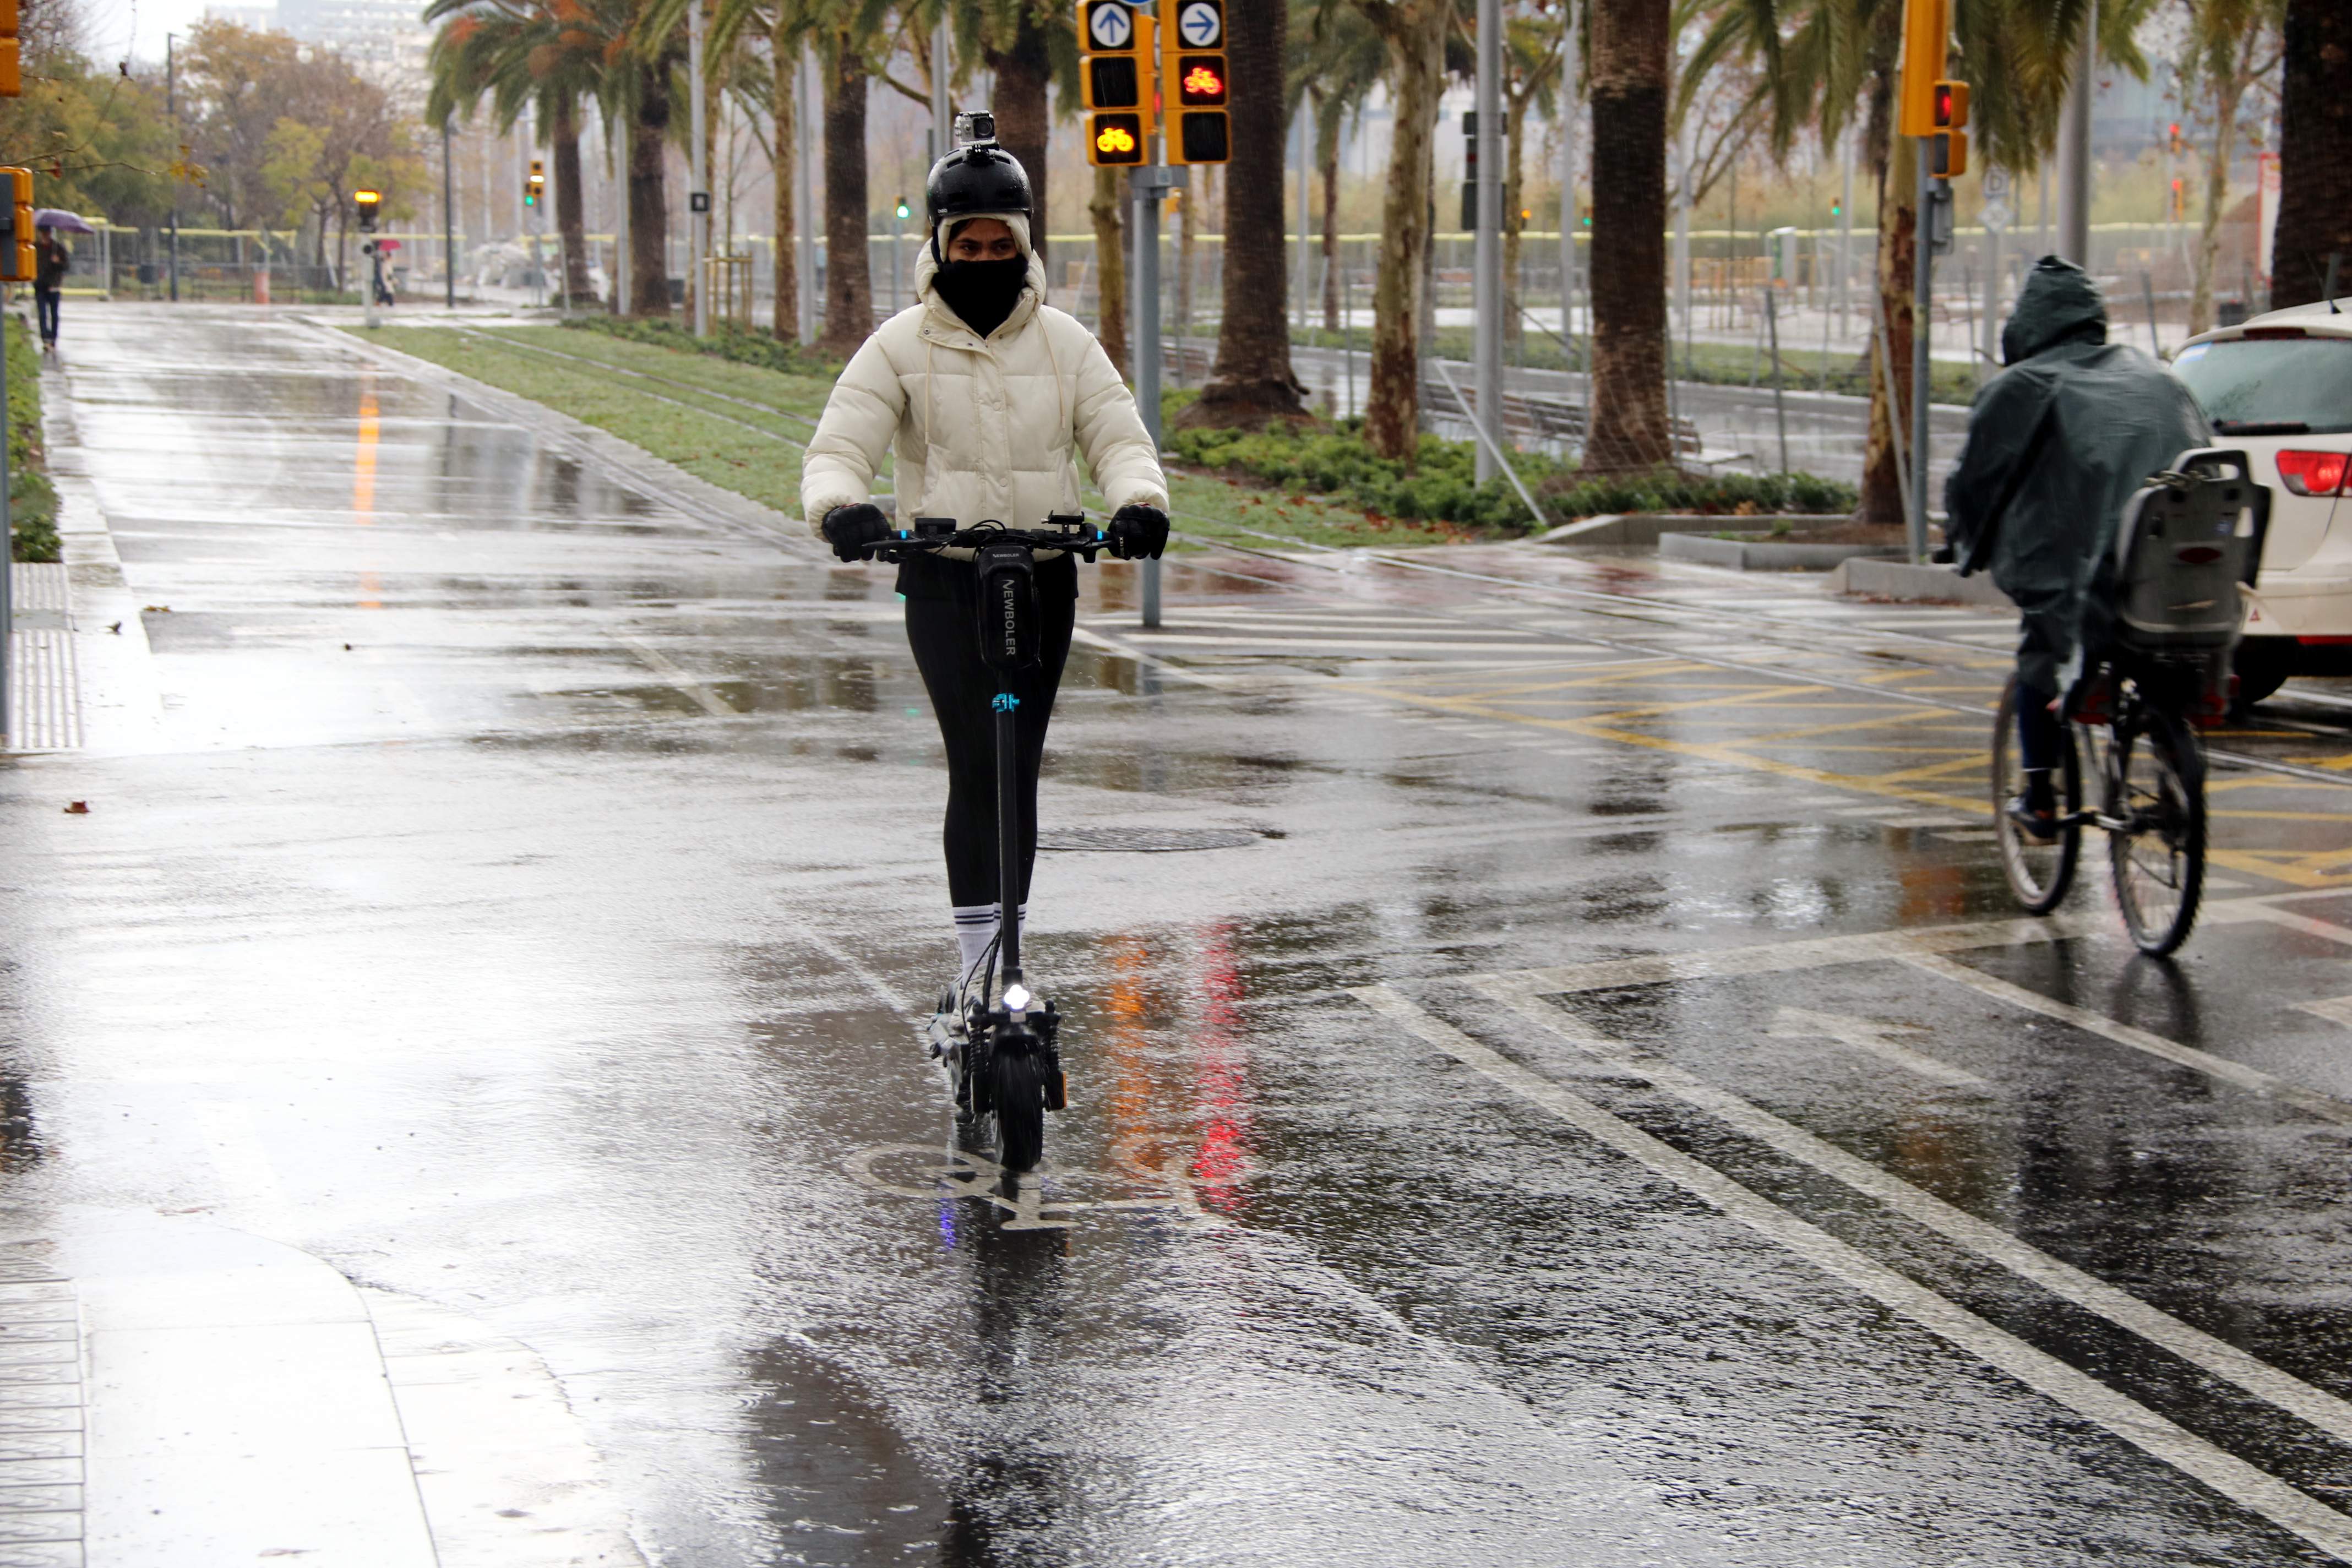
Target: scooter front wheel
<point x="1020" y="1094"/>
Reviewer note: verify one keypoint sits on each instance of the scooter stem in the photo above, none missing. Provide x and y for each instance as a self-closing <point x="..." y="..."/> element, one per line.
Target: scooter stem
<point x="1008" y="835"/>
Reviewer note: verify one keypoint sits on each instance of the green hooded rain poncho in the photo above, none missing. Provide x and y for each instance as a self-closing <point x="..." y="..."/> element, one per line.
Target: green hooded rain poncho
<point x="2057" y="443"/>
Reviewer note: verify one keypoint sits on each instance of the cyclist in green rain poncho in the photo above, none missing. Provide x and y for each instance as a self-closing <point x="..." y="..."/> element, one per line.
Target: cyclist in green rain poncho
<point x="2057" y="443"/>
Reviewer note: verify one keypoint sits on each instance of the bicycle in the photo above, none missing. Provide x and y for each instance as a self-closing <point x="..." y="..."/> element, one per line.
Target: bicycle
<point x="2188" y="540"/>
<point x="1001" y="1049"/>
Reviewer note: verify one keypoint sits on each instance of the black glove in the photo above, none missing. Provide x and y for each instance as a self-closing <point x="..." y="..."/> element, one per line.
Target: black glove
<point x="850" y="529"/>
<point x="1138" y="532"/>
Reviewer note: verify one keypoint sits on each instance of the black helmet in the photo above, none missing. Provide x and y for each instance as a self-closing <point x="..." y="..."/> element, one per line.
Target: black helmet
<point x="980" y="178"/>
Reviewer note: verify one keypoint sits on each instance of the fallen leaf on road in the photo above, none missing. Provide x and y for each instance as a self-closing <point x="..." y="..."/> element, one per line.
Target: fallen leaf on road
<point x="156" y="609"/>
<point x="77" y="808"/>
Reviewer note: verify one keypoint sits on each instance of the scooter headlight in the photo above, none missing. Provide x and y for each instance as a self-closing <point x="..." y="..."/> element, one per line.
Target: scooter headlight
<point x="1016" y="998"/>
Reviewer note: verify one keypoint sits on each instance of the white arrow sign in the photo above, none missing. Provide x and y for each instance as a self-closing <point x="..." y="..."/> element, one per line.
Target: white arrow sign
<point x="1201" y="25"/>
<point x="1797" y="1024"/>
<point x="1110" y="27"/>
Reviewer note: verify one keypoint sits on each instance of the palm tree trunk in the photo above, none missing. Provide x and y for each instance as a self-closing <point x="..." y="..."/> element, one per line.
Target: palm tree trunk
<point x="649" y="198"/>
<point x="1111" y="265"/>
<point x="1253" y="382"/>
<point x="571" y="226"/>
<point x="1416" y="39"/>
<point x="1327" y="161"/>
<point x="1629" y="429"/>
<point x="848" y="283"/>
<point x="1023" y="73"/>
<point x="2216" y="196"/>
<point x="1898" y="254"/>
<point x="784" y="149"/>
<point x="2315" y="213"/>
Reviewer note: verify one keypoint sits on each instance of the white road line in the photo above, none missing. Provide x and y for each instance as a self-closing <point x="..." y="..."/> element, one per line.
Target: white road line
<point x="1354" y="645"/>
<point x="2243" y="1483"/>
<point x="2138" y="1038"/>
<point x="1093" y="638"/>
<point x="2322" y="1409"/>
<point x="1874" y="1037"/>
<point x="2235" y="912"/>
<point x="2335" y="1009"/>
<point x="661" y="665"/>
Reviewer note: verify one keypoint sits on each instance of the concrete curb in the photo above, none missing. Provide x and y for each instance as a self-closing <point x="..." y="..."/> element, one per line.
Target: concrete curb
<point x="1650" y="527"/>
<point x="1903" y="582"/>
<point x="1762" y="553"/>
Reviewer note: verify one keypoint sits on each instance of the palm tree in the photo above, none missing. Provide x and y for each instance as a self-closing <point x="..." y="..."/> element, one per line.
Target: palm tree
<point x="1110" y="263"/>
<point x="1252" y="382"/>
<point x="545" y="54"/>
<point x="2314" y="217"/>
<point x="1535" y="53"/>
<point x="1337" y="64"/>
<point x="1414" y="32"/>
<point x="1628" y="428"/>
<point x="2232" y="50"/>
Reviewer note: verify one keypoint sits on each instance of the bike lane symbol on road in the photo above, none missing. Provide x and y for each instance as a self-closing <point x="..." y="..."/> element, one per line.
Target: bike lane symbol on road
<point x="1028" y="1202"/>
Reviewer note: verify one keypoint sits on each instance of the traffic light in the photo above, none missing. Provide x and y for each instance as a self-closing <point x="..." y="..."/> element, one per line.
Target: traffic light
<point x="12" y="80"/>
<point x="1926" y="36"/>
<point x="17" y="263"/>
<point x="535" y="183"/>
<point x="2176" y="138"/>
<point x="1116" y="75"/>
<point x="1470" y="169"/>
<point x="367" y="203"/>
<point x="1196" y="83"/>
<point x="1948" y="148"/>
<point x="903" y="211"/>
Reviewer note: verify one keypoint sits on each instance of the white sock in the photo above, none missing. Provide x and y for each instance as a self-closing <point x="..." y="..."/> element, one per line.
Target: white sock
<point x="975" y="928"/>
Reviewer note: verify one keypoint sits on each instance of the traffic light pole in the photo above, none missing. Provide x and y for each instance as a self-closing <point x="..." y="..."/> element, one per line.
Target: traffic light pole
<point x="697" y="222"/>
<point x="1149" y="184"/>
<point x="1923" y="288"/>
<point x="1487" y="255"/>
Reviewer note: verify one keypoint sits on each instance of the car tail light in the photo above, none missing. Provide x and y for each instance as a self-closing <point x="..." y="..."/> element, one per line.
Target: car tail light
<point x="2313" y="473"/>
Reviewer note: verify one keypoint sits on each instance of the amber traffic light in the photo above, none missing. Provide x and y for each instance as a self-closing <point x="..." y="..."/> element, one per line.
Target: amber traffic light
<point x="12" y="80"/>
<point x="1926" y="38"/>
<point x="367" y="203"/>
<point x="1948" y="148"/>
<point x="1115" y="74"/>
<point x="1196" y="81"/>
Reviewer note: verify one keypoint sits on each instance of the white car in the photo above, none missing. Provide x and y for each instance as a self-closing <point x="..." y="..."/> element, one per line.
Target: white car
<point x="2280" y="388"/>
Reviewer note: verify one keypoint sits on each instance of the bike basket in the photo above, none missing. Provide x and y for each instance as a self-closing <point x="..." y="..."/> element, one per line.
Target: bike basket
<point x="2187" y="540"/>
<point x="1008" y="607"/>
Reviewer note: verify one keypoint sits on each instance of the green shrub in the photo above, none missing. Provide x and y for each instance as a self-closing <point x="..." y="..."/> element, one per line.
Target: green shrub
<point x="726" y="342"/>
<point x="32" y="498"/>
<point x="1441" y="484"/>
<point x="1670" y="490"/>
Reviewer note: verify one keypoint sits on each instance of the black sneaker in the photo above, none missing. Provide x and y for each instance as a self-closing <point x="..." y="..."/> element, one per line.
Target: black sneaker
<point x="2040" y="824"/>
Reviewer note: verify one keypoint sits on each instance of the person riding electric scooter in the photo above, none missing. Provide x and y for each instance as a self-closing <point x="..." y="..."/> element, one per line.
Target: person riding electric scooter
<point x="988" y="396"/>
<point x="2057" y="443"/>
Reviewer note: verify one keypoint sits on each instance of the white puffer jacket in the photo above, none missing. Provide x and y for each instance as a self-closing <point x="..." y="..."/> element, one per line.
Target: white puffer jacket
<point x="985" y="431"/>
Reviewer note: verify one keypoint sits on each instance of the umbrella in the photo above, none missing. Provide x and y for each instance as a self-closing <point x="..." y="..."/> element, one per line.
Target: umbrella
<point x="58" y="218"/>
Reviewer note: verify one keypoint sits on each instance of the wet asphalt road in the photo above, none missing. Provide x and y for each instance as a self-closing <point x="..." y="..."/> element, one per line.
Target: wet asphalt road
<point x="1608" y="1113"/>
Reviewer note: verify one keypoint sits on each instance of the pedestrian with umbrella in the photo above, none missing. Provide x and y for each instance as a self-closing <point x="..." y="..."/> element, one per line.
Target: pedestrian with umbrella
<point x="52" y="262"/>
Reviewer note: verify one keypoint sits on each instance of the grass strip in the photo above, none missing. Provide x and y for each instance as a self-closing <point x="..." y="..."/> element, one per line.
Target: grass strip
<point x="32" y="498"/>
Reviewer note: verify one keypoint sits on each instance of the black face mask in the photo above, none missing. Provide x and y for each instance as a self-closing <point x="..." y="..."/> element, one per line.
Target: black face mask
<point x="983" y="293"/>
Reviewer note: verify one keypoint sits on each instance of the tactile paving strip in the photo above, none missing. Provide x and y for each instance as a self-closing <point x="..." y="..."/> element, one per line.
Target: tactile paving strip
<point x="41" y="1417"/>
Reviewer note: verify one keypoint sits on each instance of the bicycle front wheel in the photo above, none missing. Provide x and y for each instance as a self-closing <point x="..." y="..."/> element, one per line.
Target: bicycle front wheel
<point x="2157" y="849"/>
<point x="2039" y="871"/>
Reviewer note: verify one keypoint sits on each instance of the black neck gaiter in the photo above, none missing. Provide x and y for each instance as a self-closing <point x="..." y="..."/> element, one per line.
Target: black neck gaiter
<point x="983" y="293"/>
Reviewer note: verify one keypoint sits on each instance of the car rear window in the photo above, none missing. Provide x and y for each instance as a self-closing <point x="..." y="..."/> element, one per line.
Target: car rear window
<point x="2265" y="381"/>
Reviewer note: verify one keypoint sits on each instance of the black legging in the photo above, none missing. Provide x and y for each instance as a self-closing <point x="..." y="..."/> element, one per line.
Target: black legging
<point x="943" y="629"/>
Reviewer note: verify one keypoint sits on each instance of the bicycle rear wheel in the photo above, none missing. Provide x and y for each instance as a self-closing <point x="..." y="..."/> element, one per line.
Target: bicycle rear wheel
<point x="1020" y="1075"/>
<point x="2039" y="872"/>
<point x="2158" y="851"/>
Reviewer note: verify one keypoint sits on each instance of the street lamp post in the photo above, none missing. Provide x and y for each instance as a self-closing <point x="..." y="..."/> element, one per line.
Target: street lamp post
<point x="172" y="115"/>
